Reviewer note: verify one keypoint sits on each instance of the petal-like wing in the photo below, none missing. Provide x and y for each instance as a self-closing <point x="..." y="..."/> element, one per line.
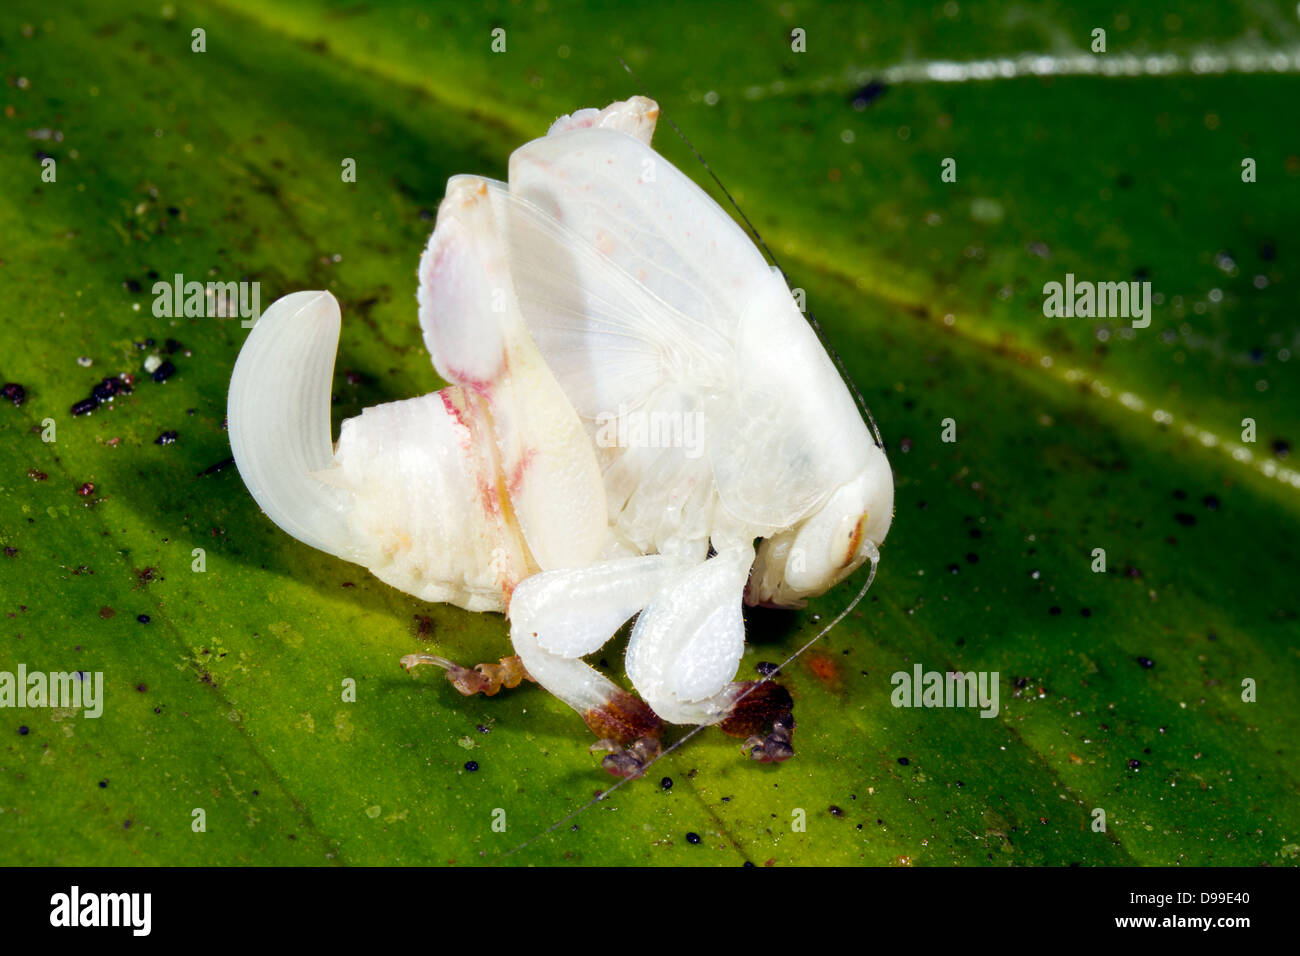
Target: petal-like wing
<point x="473" y="329"/>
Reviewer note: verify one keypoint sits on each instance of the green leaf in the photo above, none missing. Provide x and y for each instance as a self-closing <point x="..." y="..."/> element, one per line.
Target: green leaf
<point x="1119" y="690"/>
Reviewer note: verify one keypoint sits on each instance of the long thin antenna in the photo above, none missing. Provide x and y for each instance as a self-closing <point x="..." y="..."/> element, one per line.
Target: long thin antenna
<point x="875" y="430"/>
<point x="769" y="676"/>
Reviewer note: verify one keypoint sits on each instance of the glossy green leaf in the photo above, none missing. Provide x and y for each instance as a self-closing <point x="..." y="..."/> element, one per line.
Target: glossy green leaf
<point x="1120" y="691"/>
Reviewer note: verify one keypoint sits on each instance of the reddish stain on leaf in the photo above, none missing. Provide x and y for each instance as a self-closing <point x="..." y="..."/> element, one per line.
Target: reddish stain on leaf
<point x="825" y="669"/>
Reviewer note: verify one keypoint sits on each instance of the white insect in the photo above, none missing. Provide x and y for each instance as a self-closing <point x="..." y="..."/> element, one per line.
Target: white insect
<point x="635" y="401"/>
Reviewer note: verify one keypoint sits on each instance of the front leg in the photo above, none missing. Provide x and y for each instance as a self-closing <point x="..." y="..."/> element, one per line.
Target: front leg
<point x="558" y="617"/>
<point x="687" y="643"/>
<point x="686" y="648"/>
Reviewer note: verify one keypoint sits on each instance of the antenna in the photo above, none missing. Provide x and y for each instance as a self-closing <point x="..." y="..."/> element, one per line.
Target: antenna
<point x="695" y="730"/>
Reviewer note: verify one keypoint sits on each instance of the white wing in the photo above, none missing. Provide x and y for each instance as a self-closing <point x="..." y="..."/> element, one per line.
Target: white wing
<point x="477" y="339"/>
<point x="643" y="294"/>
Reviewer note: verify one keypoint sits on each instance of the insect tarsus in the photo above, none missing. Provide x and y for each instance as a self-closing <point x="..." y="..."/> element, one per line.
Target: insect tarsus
<point x="486" y="679"/>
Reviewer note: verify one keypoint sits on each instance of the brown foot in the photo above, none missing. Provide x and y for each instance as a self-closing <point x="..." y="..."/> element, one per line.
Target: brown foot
<point x="481" y="678"/>
<point x="628" y="762"/>
<point x="629" y="730"/>
<point x="765" y="717"/>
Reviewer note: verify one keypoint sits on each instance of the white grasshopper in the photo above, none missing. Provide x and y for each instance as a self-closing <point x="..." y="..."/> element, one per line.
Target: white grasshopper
<point x="636" y="401"/>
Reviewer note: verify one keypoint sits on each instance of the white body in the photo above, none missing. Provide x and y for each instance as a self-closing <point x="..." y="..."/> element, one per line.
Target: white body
<point x="633" y="386"/>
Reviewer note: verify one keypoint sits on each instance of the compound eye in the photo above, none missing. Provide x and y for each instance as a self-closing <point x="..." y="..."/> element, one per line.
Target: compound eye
<point x="855" y="540"/>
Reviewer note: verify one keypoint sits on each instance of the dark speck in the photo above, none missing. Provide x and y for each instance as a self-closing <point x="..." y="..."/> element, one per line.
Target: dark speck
<point x="976" y="533"/>
<point x="103" y="785"/>
<point x="1183" y="518"/>
<point x="868" y="94"/>
<point x="483" y="729"/>
<point x="1134" y="764"/>
<point x="954" y="569"/>
<point x="131" y="285"/>
<point x="1267" y="251"/>
<point x="142" y="618"/>
<point x="471" y="765"/>
<point x="1211" y="502"/>
<point x="213" y="469"/>
<point x="972" y="558"/>
<point x="1085" y="612"/>
<point x="11" y="552"/>
<point x="23" y="731"/>
<point x="766" y="668"/>
<point x="692" y="837"/>
<point x="666" y="783"/>
<point x="164" y="371"/>
<point x="1054" y="611"/>
<point x="904" y="761"/>
<point x="85" y="406"/>
<point x="834" y="811"/>
<point x="14" y="393"/>
<point x="166" y="438"/>
<point x="1281" y="448"/>
<point x="1180" y="494"/>
<point x="1146" y="662"/>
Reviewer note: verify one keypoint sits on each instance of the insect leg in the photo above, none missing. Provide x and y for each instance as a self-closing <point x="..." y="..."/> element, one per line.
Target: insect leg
<point x="686" y="645"/>
<point x="484" y="679"/>
<point x="557" y="617"/>
<point x="764" y="715"/>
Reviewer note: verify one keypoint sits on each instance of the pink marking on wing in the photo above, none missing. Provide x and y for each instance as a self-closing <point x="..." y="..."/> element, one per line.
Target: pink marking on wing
<point x="517" y="473"/>
<point x="480" y="385"/>
<point x="489" y="498"/>
<point x="452" y="409"/>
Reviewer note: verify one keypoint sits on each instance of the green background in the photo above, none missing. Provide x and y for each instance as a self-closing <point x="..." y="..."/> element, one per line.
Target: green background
<point x="226" y="165"/>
